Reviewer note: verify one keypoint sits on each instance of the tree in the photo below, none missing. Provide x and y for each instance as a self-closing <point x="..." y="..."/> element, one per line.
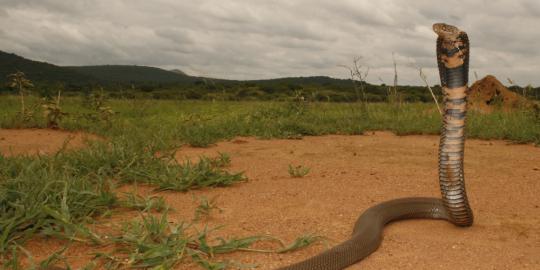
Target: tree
<point x="358" y="75"/>
<point x="19" y="82"/>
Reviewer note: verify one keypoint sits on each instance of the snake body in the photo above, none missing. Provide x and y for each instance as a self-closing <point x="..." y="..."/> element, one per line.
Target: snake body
<point x="453" y="61"/>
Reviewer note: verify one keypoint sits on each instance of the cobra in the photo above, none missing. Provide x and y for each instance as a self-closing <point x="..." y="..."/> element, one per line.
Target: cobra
<point x="453" y="62"/>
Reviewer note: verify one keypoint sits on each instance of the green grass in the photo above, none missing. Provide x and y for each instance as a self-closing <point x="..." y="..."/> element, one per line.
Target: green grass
<point x="153" y="241"/>
<point x="206" y="207"/>
<point x="56" y="196"/>
<point x="59" y="195"/>
<point x="202" y="123"/>
<point x="144" y="204"/>
<point x="298" y="171"/>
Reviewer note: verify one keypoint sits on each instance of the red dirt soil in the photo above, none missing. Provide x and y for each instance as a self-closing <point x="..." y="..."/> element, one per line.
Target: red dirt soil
<point x="348" y="175"/>
<point x="39" y="141"/>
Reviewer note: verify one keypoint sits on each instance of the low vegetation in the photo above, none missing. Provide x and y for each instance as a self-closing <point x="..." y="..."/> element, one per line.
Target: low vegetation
<point x="142" y="82"/>
<point x="153" y="241"/>
<point x="63" y="195"/>
<point x="298" y="171"/>
<point x="201" y="123"/>
<point x="206" y="207"/>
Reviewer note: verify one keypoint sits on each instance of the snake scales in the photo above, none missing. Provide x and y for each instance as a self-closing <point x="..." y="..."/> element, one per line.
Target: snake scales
<point x="453" y="62"/>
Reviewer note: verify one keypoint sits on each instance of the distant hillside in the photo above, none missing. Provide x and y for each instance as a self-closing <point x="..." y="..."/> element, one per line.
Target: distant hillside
<point x="140" y="75"/>
<point x="41" y="72"/>
<point x="38" y="71"/>
<point x="158" y="83"/>
<point x="301" y="82"/>
<point x="144" y="81"/>
<point x="131" y="74"/>
<point x="178" y="71"/>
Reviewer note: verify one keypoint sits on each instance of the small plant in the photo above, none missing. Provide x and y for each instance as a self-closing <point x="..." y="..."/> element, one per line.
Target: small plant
<point x="302" y="242"/>
<point x="138" y="202"/>
<point x="298" y="171"/>
<point x="205" y="207"/>
<point x="153" y="242"/>
<point x="424" y="78"/>
<point x="208" y="172"/>
<point x="100" y="112"/>
<point x="14" y="261"/>
<point x="19" y="82"/>
<point x="54" y="258"/>
<point x="222" y="161"/>
<point x="53" y="112"/>
<point x="358" y="78"/>
<point x="147" y="243"/>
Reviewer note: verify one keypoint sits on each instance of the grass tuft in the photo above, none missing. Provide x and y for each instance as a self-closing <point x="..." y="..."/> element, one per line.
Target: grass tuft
<point x="298" y="171"/>
<point x="144" y="204"/>
<point x="154" y="242"/>
<point x="206" y="207"/>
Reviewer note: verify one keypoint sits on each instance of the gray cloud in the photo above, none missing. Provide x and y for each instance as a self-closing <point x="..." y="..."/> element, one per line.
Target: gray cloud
<point x="253" y="39"/>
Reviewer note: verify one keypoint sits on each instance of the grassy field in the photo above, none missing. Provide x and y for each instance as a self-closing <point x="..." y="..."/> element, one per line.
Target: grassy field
<point x="59" y="195"/>
<point x="200" y="123"/>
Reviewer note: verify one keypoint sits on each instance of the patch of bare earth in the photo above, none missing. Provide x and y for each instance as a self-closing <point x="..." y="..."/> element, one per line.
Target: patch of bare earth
<point x="351" y="173"/>
<point x="39" y="141"/>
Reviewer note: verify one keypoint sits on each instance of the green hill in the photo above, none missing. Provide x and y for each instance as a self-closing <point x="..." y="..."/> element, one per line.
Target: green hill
<point x="152" y="82"/>
<point x="178" y="71"/>
<point x="131" y="74"/>
<point x="158" y="83"/>
<point x="39" y="71"/>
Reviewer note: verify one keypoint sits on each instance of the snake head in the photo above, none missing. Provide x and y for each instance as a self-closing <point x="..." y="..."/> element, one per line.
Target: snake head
<point x="451" y="42"/>
<point x="446" y="31"/>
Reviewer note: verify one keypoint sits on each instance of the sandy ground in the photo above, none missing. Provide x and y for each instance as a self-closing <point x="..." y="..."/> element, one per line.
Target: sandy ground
<point x="39" y="141"/>
<point x="351" y="173"/>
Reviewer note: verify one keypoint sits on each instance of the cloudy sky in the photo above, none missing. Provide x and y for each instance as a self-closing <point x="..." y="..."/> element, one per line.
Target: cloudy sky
<point x="254" y="39"/>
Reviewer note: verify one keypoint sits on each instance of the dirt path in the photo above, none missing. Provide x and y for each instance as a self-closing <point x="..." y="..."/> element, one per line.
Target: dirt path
<point x="39" y="141"/>
<point x="349" y="174"/>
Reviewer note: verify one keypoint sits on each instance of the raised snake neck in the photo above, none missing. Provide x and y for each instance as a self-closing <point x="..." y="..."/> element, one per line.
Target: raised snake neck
<point x="453" y="61"/>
